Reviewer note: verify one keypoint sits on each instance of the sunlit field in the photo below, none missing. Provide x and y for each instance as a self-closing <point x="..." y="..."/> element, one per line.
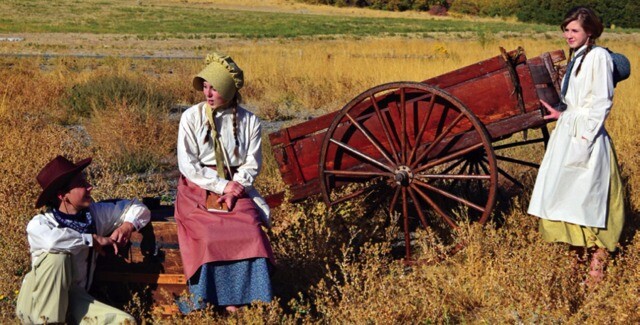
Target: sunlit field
<point x="333" y="266"/>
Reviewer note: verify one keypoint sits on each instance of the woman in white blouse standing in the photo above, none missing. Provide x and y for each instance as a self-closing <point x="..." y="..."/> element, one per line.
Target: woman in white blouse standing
<point x="578" y="193"/>
<point x="226" y="255"/>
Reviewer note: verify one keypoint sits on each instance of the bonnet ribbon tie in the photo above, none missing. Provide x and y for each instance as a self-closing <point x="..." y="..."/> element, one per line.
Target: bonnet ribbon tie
<point x="217" y="145"/>
<point x="563" y="91"/>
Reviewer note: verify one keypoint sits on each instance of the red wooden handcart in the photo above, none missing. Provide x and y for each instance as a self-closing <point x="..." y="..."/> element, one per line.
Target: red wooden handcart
<point x="432" y="148"/>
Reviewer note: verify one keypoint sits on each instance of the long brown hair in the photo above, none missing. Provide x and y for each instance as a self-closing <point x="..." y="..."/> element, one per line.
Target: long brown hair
<point x="589" y="22"/>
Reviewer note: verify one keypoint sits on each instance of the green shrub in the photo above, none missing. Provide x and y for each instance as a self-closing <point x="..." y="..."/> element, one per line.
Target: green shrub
<point x="621" y="13"/>
<point x="391" y="5"/>
<point x="486" y="7"/>
<point x="83" y="99"/>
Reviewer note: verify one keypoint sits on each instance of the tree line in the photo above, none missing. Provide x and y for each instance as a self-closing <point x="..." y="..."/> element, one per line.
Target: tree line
<point x="614" y="13"/>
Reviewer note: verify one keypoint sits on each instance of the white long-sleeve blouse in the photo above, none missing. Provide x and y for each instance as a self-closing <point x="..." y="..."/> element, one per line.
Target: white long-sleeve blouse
<point x="196" y="151"/>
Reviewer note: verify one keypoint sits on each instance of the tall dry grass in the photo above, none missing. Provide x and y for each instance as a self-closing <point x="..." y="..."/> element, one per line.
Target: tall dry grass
<point x="334" y="266"/>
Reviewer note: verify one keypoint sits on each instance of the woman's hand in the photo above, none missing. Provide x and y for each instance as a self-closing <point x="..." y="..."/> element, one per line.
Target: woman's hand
<point x="229" y="200"/>
<point x="122" y="235"/>
<point x="101" y="243"/>
<point x="234" y="188"/>
<point x="554" y="114"/>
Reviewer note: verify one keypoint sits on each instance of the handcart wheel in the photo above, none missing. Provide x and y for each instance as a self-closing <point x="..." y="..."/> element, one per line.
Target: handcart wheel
<point x="418" y="146"/>
<point x="515" y="155"/>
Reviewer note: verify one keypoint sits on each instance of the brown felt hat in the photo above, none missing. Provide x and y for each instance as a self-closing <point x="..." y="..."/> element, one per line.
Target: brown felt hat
<point x="57" y="174"/>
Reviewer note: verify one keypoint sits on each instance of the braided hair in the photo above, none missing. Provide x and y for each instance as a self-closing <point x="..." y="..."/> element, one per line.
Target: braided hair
<point x="591" y="24"/>
<point x="237" y="99"/>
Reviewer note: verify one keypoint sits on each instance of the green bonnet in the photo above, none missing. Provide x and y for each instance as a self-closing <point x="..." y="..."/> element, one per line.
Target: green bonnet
<point x="222" y="73"/>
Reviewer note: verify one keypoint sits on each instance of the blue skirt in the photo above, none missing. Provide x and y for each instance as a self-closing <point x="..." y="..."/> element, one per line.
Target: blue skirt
<point x="228" y="283"/>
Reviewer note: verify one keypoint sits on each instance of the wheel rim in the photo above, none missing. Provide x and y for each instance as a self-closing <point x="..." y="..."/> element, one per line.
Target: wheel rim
<point x="431" y="155"/>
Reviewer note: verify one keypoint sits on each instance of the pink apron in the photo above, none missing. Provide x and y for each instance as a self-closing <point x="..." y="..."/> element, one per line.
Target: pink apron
<point x="206" y="236"/>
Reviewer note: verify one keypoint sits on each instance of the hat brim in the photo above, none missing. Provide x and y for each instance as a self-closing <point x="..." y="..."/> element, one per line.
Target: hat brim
<point x="60" y="181"/>
<point x="198" y="83"/>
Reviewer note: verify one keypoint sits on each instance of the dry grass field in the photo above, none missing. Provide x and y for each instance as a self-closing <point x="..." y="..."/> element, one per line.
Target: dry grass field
<point x="334" y="267"/>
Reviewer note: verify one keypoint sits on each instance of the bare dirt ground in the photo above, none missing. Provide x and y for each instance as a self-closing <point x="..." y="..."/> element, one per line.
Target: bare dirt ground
<point x="104" y="44"/>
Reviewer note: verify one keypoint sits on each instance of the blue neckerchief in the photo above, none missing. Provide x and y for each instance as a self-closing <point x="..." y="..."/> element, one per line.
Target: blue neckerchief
<point x="563" y="91"/>
<point x="81" y="222"/>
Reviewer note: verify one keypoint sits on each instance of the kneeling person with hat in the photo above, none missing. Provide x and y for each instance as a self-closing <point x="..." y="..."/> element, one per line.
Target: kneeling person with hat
<point x="64" y="242"/>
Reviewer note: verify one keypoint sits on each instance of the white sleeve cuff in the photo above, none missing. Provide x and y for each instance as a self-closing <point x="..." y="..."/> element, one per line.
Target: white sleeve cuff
<point x="219" y="187"/>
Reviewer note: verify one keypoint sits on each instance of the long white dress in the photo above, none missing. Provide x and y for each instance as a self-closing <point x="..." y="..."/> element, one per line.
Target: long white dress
<point x="573" y="180"/>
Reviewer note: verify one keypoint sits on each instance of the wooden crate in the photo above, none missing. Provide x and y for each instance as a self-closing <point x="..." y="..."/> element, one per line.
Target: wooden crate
<point x="151" y="267"/>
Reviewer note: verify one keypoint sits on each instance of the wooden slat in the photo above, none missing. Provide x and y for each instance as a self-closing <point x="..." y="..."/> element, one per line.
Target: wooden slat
<point x="470" y="72"/>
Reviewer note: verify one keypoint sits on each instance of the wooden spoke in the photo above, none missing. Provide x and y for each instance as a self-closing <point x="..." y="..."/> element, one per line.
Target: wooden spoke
<point x="449" y="195"/>
<point x="355" y="194"/>
<point x="437" y="140"/>
<point x="449" y="176"/>
<point x="545" y="135"/>
<point x="416" y="202"/>
<point x="403" y="121"/>
<point x="405" y="218"/>
<point x="349" y="173"/>
<point x="423" y="126"/>
<point x="448" y="158"/>
<point x="453" y="166"/>
<point x="360" y="154"/>
<point x="464" y="168"/>
<point x="394" y="199"/>
<point x="442" y="214"/>
<point x="477" y="172"/>
<point x="517" y="144"/>
<point x="517" y="161"/>
<point x="484" y="167"/>
<point x="385" y="127"/>
<point x="509" y="177"/>
<point x="370" y="138"/>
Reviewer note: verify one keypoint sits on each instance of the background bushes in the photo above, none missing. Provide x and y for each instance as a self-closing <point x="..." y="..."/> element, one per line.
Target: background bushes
<point x="101" y="92"/>
<point x="621" y="13"/>
<point x="485" y="7"/>
<point x="392" y="5"/>
<point x="614" y="13"/>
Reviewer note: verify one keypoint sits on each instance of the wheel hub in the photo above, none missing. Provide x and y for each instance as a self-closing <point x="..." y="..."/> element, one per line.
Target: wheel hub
<point x="403" y="175"/>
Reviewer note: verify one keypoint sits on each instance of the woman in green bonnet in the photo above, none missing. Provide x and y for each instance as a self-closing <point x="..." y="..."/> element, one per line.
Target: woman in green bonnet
<point x="225" y="253"/>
